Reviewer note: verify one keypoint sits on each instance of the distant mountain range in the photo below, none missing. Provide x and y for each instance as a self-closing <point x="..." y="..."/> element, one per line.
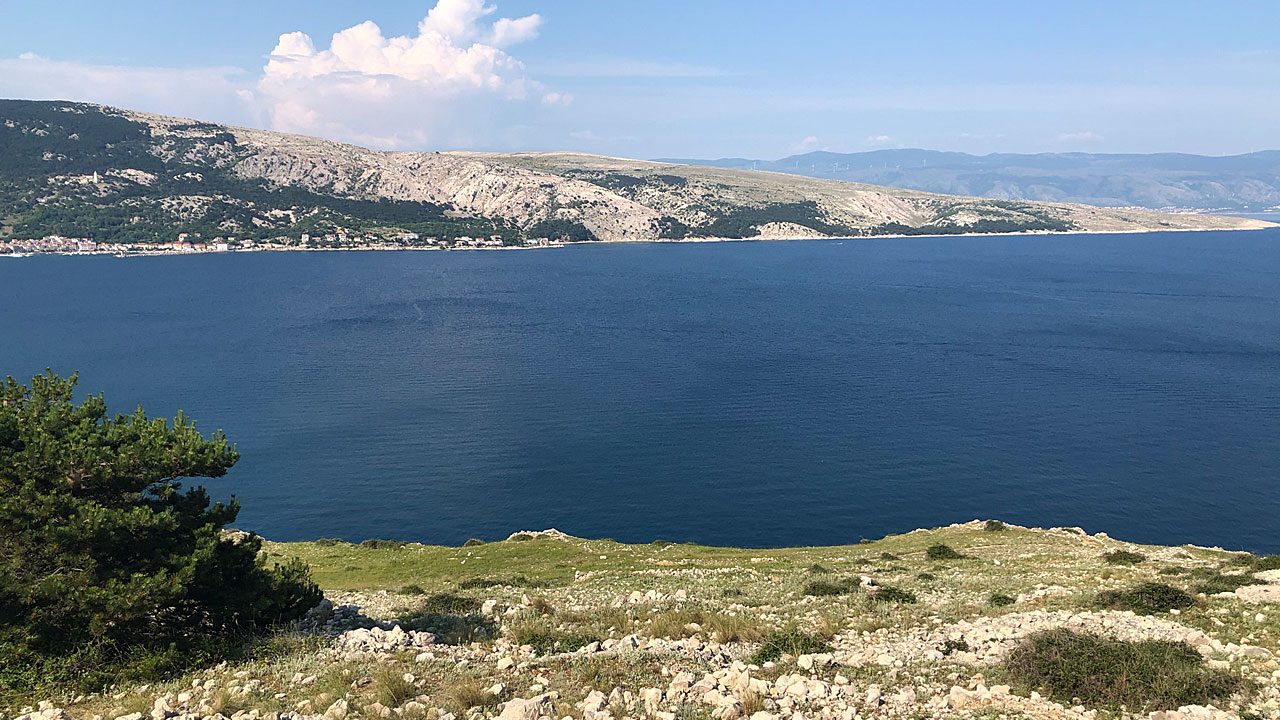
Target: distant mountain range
<point x="115" y="175"/>
<point x="1159" y="181"/>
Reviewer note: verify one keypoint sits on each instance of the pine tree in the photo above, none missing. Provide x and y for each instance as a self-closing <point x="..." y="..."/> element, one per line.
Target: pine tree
<point x="108" y="567"/>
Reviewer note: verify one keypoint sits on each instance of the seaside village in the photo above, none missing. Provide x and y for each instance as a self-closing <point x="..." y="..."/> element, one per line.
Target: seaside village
<point x="185" y="243"/>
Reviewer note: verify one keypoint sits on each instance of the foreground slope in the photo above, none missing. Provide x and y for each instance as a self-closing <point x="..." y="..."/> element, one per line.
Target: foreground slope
<point x="911" y="626"/>
<point x="80" y="169"/>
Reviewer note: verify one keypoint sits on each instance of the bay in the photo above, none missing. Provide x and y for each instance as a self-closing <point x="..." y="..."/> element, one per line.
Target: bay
<point x="754" y="393"/>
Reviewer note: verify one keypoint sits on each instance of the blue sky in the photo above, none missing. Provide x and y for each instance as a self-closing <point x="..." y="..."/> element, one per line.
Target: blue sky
<point x="691" y="79"/>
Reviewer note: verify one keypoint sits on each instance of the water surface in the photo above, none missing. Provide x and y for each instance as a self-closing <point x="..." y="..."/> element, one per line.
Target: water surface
<point x="744" y="393"/>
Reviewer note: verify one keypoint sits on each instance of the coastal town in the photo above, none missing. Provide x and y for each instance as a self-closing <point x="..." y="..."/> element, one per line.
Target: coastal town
<point x="184" y="244"/>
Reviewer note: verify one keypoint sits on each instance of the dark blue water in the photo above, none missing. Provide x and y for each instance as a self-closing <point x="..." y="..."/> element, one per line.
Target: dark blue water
<point x="746" y="393"/>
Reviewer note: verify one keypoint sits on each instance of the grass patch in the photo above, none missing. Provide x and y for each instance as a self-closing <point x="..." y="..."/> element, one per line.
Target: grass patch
<point x="1141" y="676"/>
<point x="412" y="590"/>
<point x="943" y="552"/>
<point x="391" y="688"/>
<point x="483" y="583"/>
<point x="1123" y="557"/>
<point x="468" y="693"/>
<point x="816" y="569"/>
<point x="1148" y="598"/>
<point x="788" y="642"/>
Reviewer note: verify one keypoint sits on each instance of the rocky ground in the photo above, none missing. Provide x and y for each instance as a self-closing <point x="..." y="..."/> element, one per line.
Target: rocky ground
<point x="544" y="625"/>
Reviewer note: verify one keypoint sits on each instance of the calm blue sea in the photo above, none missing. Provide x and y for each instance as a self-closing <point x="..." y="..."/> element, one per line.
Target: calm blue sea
<point x="762" y="393"/>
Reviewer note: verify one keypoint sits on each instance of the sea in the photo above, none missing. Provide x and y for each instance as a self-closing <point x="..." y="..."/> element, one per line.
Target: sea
<point x="738" y="393"/>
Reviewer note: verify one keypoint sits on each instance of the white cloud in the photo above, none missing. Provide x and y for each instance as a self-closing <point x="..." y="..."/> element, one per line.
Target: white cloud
<point x="1082" y="136"/>
<point x="878" y="140"/>
<point x="442" y="86"/>
<point x="807" y="143"/>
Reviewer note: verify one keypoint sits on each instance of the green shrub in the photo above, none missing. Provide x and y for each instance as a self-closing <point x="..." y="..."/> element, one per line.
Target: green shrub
<point x="450" y="604"/>
<point x="1123" y="557"/>
<point x="1219" y="583"/>
<point x="788" y="642"/>
<point x="953" y="646"/>
<point x="889" y="556"/>
<point x="521" y="537"/>
<point x="412" y="590"/>
<point x="109" y="568"/>
<point x="327" y="542"/>
<point x="1146" y="599"/>
<point x="943" y="552"/>
<point x="1000" y="600"/>
<point x="891" y="594"/>
<point x="378" y="544"/>
<point x="816" y="569"/>
<point x="994" y="526"/>
<point x="1268" y="562"/>
<point x="926" y="576"/>
<point x="1141" y="676"/>
<point x="820" y="588"/>
<point x="473" y="542"/>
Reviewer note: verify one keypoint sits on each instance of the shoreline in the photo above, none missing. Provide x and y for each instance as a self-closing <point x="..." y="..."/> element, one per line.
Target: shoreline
<point x="1264" y="226"/>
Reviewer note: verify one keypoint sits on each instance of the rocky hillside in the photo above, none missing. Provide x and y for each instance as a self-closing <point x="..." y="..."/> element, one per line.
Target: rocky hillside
<point x="79" y="169"/>
<point x="980" y="620"/>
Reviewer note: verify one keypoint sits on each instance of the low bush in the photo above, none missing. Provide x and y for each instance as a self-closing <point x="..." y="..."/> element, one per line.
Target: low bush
<point x="816" y="569"/>
<point x="994" y="526"/>
<point x="999" y="599"/>
<point x="1072" y="667"/>
<point x="820" y="588"/>
<point x="412" y="590"/>
<point x="1219" y="583"/>
<point x="788" y="642"/>
<point x="1148" y="598"/>
<point x="473" y="542"/>
<point x="926" y="577"/>
<point x="327" y="542"/>
<point x="450" y="604"/>
<point x="889" y="556"/>
<point x="891" y="594"/>
<point x="1123" y="557"/>
<point x="943" y="552"/>
<point x="379" y="544"/>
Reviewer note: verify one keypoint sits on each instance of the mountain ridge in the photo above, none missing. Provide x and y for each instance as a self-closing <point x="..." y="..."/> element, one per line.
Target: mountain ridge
<point x="1246" y="182"/>
<point x="77" y="168"/>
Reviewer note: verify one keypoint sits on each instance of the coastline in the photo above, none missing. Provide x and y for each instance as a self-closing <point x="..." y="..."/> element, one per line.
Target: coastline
<point x="1263" y="225"/>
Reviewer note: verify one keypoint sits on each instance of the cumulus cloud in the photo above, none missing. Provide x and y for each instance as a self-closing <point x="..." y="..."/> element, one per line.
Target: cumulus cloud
<point x="878" y="140"/>
<point x="442" y="86"/>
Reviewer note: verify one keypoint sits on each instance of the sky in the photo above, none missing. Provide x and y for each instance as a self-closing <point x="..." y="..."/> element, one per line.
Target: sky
<point x="675" y="78"/>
